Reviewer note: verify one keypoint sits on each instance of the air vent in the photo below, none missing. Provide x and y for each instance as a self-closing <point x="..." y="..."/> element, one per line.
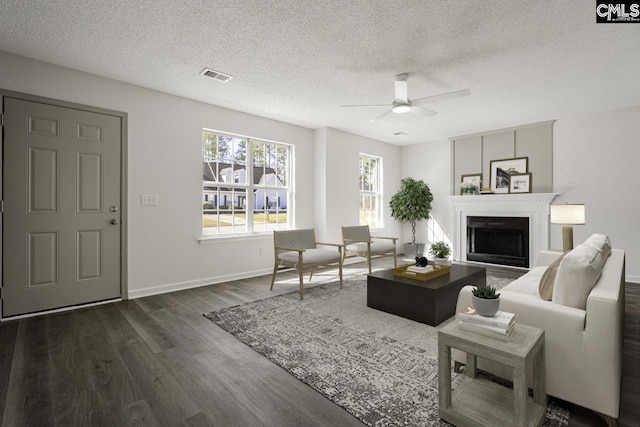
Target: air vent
<point x="216" y="75"/>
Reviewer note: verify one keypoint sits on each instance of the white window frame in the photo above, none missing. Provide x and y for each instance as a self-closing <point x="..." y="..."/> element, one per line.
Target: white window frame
<point x="249" y="188"/>
<point x="374" y="193"/>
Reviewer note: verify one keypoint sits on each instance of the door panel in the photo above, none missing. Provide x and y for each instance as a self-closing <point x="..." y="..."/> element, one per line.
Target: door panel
<point x="89" y="178"/>
<point x="89" y="252"/>
<point x="42" y="255"/>
<point x="62" y="172"/>
<point x="42" y="180"/>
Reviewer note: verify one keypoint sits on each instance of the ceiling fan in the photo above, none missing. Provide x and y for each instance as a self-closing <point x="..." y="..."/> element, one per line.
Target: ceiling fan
<point x="402" y="103"/>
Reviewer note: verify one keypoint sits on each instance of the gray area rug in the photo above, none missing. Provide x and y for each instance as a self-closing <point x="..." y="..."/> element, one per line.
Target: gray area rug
<point x="379" y="367"/>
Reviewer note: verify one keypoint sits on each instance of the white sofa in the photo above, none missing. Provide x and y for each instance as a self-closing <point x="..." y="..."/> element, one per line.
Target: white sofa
<point x="583" y="346"/>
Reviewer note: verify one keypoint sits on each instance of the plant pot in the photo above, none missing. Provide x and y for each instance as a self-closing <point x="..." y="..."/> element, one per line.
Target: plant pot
<point x="441" y="261"/>
<point x="486" y="307"/>
<point x="412" y="250"/>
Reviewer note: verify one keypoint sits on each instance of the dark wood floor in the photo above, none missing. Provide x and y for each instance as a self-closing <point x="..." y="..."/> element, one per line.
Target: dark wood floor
<point x="158" y="361"/>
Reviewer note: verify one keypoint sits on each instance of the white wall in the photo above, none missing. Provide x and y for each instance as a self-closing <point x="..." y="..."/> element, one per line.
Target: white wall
<point x="594" y="162"/>
<point x="430" y="162"/>
<point x="595" y="159"/>
<point x="164" y="157"/>
<point x="320" y="183"/>
<point x="337" y="200"/>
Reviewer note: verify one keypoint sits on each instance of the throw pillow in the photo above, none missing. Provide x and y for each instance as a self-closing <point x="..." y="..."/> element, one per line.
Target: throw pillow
<point x="548" y="278"/>
<point x="601" y="243"/>
<point x="578" y="273"/>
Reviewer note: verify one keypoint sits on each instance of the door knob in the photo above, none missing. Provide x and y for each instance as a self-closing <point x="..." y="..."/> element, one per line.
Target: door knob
<point x="114" y="222"/>
<point x="113" y="209"/>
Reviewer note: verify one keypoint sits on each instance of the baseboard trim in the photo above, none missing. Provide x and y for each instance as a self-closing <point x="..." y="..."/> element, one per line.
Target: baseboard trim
<point x="180" y="286"/>
<point x="190" y="284"/>
<point x="632" y="279"/>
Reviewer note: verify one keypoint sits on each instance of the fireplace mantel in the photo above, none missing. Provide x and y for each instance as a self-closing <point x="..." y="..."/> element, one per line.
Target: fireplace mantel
<point x="534" y="206"/>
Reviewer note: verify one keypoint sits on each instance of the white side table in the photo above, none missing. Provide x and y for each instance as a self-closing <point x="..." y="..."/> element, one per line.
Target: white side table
<point x="479" y="402"/>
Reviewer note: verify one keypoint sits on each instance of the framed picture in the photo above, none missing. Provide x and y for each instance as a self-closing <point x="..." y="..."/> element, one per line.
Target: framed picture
<point x="469" y="181"/>
<point x="502" y="169"/>
<point x="520" y="183"/>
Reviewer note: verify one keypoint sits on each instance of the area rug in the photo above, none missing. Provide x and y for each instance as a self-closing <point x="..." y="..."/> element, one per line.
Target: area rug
<point x="380" y="367"/>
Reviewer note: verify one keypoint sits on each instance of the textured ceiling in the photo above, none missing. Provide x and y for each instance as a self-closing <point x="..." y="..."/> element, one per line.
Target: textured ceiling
<point x="297" y="61"/>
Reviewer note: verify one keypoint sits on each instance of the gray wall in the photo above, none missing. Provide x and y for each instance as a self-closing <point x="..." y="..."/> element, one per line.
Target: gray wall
<point x="474" y="153"/>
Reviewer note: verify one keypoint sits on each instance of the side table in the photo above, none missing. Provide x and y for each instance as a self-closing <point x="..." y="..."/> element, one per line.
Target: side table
<point x="479" y="402"/>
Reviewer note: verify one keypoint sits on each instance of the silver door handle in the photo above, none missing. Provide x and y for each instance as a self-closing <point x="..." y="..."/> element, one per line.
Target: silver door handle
<point x="114" y="222"/>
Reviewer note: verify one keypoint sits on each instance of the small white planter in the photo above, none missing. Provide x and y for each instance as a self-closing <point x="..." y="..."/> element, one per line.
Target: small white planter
<point x="441" y="261"/>
<point x="486" y="307"/>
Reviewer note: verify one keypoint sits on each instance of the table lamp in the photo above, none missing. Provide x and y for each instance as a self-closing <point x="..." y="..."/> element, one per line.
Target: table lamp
<point x="567" y="215"/>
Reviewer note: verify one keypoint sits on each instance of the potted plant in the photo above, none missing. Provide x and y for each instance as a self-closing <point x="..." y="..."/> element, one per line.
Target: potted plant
<point x="485" y="300"/>
<point x="412" y="203"/>
<point x="440" y="252"/>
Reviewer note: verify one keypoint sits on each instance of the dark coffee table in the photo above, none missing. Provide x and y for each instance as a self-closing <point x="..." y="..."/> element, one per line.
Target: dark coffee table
<point x="431" y="302"/>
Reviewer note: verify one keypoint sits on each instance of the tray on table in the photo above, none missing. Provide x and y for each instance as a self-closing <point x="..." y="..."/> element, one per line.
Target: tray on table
<point x="438" y="270"/>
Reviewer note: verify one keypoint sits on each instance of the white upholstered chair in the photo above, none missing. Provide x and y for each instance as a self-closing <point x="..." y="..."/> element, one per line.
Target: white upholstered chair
<point x="298" y="249"/>
<point x="358" y="241"/>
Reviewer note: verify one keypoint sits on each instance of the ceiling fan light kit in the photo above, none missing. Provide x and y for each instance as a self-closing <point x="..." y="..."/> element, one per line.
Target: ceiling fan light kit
<point x="402" y="103"/>
<point x="401" y="108"/>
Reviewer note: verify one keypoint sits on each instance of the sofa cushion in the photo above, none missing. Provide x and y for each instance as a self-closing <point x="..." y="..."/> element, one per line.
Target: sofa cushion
<point x="578" y="273"/>
<point x="527" y="284"/>
<point x="545" y="288"/>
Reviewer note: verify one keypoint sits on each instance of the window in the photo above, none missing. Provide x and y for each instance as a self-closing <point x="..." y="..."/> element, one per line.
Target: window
<point x="246" y="184"/>
<point x="370" y="190"/>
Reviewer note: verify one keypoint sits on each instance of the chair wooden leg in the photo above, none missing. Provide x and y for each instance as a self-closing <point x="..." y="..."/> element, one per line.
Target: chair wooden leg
<point x="301" y="288"/>
<point x="369" y="262"/>
<point x="395" y="260"/>
<point x="340" y="270"/>
<point x="273" y="276"/>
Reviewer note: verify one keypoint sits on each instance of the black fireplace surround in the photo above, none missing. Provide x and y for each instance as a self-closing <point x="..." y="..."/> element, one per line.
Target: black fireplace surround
<point x="498" y="240"/>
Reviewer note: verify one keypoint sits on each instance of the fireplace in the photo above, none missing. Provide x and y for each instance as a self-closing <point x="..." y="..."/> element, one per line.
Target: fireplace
<point x="533" y="207"/>
<point x="498" y="240"/>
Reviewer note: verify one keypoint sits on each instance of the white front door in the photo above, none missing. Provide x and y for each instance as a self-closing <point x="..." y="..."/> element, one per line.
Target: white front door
<point x="61" y="221"/>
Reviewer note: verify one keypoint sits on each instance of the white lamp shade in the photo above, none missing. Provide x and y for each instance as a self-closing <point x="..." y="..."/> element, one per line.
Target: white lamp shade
<point x="567" y="214"/>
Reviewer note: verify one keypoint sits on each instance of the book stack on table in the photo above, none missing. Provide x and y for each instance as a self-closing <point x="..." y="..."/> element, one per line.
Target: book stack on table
<point x="416" y="269"/>
<point x="498" y="326"/>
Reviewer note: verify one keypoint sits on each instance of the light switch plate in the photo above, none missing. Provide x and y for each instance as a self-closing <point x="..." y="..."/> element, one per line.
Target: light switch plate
<point x="149" y="200"/>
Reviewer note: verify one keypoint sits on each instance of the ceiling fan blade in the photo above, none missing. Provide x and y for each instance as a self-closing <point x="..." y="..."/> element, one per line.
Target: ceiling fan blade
<point x="423" y="111"/>
<point x="380" y="116"/>
<point x="366" y="105"/>
<point x="441" y="97"/>
<point x="401" y="90"/>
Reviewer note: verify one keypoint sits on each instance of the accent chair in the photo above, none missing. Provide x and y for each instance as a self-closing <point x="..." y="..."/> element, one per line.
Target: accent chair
<point x="358" y="241"/>
<point x="298" y="249"/>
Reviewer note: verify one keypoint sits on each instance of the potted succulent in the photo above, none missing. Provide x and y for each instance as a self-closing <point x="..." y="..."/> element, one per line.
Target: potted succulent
<point x="412" y="203"/>
<point x="485" y="300"/>
<point x="440" y="252"/>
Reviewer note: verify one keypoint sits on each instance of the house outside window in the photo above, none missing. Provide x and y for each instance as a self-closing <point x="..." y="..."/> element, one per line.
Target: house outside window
<point x="246" y="184"/>
<point x="370" y="191"/>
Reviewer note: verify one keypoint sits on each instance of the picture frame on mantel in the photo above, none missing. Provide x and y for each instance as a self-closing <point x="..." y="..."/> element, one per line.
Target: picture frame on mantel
<point x="472" y="179"/>
<point x="520" y="183"/>
<point x="502" y="169"/>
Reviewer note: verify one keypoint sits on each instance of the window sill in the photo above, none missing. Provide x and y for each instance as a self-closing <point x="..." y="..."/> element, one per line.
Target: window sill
<point x="218" y="240"/>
